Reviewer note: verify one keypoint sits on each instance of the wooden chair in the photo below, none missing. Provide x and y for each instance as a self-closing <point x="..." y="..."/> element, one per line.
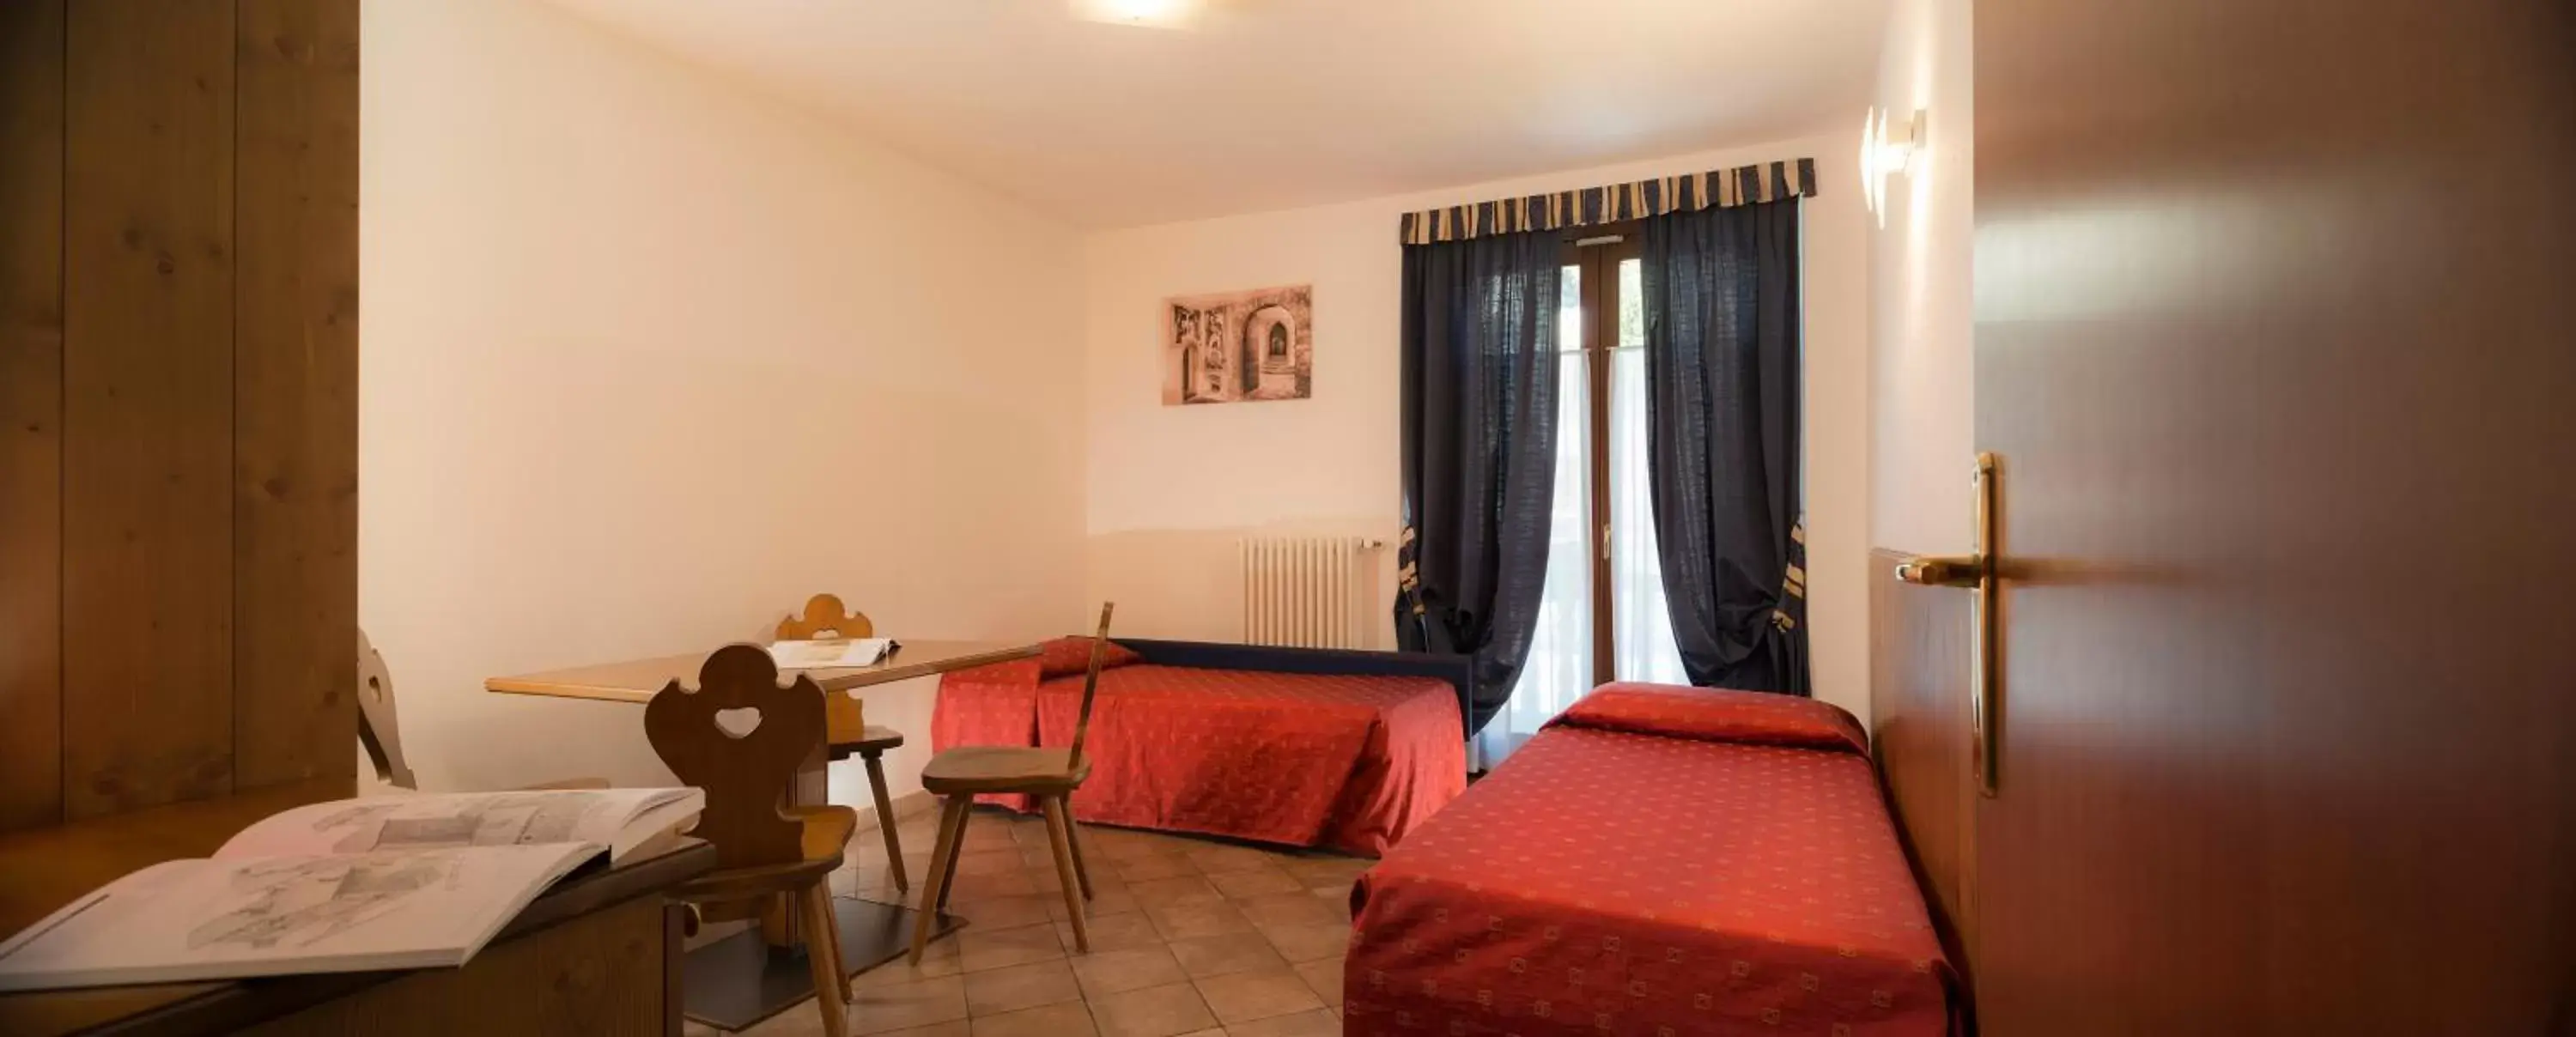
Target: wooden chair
<point x="849" y="732"/>
<point x="377" y="732"/>
<point x="381" y="736"/>
<point x="764" y="848"/>
<point x="1048" y="775"/>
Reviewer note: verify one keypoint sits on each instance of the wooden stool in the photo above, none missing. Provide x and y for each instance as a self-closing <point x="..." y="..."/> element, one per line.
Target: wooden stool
<point x="1048" y="775"/>
<point x="763" y="848"/>
<point x="848" y="733"/>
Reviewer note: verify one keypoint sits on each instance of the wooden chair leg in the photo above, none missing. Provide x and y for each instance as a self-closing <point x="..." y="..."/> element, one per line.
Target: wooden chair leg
<point x="832" y="942"/>
<point x="829" y="996"/>
<point x="956" y="852"/>
<point x="1073" y="840"/>
<point x="1060" y="835"/>
<point x="952" y="822"/>
<point x="886" y="819"/>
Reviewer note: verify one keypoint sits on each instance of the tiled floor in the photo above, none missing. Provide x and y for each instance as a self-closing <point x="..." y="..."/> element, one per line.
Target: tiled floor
<point x="1188" y="936"/>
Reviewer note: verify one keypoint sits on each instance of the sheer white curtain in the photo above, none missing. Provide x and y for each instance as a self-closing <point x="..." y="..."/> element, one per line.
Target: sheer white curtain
<point x="1643" y="631"/>
<point x="1560" y="666"/>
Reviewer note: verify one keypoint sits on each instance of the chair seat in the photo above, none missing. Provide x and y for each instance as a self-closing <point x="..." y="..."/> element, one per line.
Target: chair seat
<point x="827" y="837"/>
<point x="1001" y="768"/>
<point x="871" y="741"/>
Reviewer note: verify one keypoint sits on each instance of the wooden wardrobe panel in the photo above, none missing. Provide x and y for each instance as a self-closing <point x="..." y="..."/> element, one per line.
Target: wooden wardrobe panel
<point x="31" y="408"/>
<point x="1921" y="642"/>
<point x="295" y="383"/>
<point x="147" y="404"/>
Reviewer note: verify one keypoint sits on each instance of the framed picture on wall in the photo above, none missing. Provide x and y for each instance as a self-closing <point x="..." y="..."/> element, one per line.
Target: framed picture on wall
<point x="1237" y="347"/>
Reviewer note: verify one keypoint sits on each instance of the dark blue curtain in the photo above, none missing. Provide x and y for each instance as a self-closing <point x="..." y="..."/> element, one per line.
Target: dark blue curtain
<point x="1479" y="423"/>
<point x="1721" y="307"/>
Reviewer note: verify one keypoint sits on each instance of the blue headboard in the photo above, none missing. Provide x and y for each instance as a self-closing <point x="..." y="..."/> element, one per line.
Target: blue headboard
<point x="1458" y="670"/>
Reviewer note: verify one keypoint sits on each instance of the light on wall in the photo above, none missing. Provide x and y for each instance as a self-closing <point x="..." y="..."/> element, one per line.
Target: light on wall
<point x="1150" y="14"/>
<point x="1882" y="157"/>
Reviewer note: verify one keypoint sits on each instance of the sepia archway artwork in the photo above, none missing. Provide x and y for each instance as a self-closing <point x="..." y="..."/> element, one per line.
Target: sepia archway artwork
<point x="1237" y="347"/>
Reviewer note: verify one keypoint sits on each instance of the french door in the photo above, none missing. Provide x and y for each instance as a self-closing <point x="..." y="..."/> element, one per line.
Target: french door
<point x="1602" y="616"/>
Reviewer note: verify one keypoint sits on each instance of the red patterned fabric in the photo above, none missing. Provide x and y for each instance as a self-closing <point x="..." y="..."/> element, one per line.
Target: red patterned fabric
<point x="1717" y="715"/>
<point x="1072" y="655"/>
<point x="1354" y="763"/>
<point x="988" y="705"/>
<point x="1612" y="882"/>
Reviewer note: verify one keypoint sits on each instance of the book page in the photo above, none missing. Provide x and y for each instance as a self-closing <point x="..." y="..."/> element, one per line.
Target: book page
<point x="257" y="916"/>
<point x="829" y="653"/>
<point x="597" y="816"/>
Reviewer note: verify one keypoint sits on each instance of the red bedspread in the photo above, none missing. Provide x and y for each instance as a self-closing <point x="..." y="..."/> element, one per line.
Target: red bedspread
<point x="1624" y="873"/>
<point x="1353" y="763"/>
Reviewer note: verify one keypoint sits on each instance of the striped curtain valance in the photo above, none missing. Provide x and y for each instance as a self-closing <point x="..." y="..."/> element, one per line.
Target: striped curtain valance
<point x="1742" y="185"/>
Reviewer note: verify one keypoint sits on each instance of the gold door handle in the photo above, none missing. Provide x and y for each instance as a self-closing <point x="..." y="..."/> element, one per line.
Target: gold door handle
<point x="1976" y="571"/>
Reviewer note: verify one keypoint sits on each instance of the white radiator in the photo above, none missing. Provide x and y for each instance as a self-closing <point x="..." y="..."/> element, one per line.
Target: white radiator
<point x="1310" y="592"/>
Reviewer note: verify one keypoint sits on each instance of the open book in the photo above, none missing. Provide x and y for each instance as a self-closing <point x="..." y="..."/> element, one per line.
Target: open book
<point x="352" y="885"/>
<point x="830" y="653"/>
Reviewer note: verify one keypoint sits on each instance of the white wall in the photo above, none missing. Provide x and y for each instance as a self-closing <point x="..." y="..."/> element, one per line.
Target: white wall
<point x="1922" y="355"/>
<point x="1169" y="487"/>
<point x="648" y="359"/>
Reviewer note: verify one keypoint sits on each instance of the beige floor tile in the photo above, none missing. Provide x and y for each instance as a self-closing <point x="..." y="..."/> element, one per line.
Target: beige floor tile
<point x="1152" y="1012"/>
<point x="951" y="1028"/>
<point x="1114" y="932"/>
<point x="979" y="949"/>
<point x="985" y="885"/>
<point x="1309" y="942"/>
<point x="694" y="1028"/>
<point x="1186" y="889"/>
<point x="1325" y="871"/>
<point x="1103" y="903"/>
<point x="1316" y="1023"/>
<point x="994" y="991"/>
<point x="1213" y="1031"/>
<point x="1072" y="1019"/>
<point x="1246" y="996"/>
<point x="799" y="1020"/>
<point x="1325" y="976"/>
<point x="1229" y="953"/>
<point x="1191" y="921"/>
<point x="1001" y="860"/>
<point x="1001" y="912"/>
<point x="1253" y="882"/>
<point x="1116" y="972"/>
<point x="1286" y="909"/>
<point x="1338" y="894"/>
<point x="1157" y="866"/>
<point x="939" y="959"/>
<point x="897" y="1006"/>
<point x="1224" y="857"/>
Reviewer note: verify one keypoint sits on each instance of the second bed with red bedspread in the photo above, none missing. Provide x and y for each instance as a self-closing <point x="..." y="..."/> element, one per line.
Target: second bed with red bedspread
<point x="1657" y="861"/>
<point x="1351" y="762"/>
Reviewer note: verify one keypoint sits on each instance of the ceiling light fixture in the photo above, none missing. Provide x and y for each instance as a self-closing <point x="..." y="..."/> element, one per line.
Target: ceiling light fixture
<point x="1150" y="14"/>
<point x="1881" y="157"/>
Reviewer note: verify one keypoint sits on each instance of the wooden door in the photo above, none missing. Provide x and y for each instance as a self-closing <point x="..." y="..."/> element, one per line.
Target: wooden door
<point x="2276" y="338"/>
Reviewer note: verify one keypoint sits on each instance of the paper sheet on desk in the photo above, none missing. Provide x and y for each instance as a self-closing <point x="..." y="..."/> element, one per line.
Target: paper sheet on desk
<point x="830" y="653"/>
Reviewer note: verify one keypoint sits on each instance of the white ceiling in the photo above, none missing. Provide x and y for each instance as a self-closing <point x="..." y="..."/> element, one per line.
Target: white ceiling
<point x="1277" y="103"/>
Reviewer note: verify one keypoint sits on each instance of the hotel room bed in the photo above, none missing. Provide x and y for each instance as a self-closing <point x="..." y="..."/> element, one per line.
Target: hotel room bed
<point x="1660" y="861"/>
<point x="1349" y="751"/>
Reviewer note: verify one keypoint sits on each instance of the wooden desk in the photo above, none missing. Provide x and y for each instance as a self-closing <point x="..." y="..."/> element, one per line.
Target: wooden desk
<point x="737" y="982"/>
<point x="596" y="954"/>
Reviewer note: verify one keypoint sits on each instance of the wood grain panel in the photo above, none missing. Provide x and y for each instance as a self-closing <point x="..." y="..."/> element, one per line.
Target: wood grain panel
<point x="2273" y="325"/>
<point x="598" y="974"/>
<point x="31" y="407"/>
<point x="147" y="403"/>
<point x="1921" y="640"/>
<point x="295" y="381"/>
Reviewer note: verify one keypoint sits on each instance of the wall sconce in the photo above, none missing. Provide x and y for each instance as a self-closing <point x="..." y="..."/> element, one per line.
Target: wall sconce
<point x="1881" y="157"/>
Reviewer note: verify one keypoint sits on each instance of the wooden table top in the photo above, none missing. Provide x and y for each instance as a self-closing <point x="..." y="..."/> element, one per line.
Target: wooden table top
<point x="49" y="867"/>
<point x="638" y="680"/>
